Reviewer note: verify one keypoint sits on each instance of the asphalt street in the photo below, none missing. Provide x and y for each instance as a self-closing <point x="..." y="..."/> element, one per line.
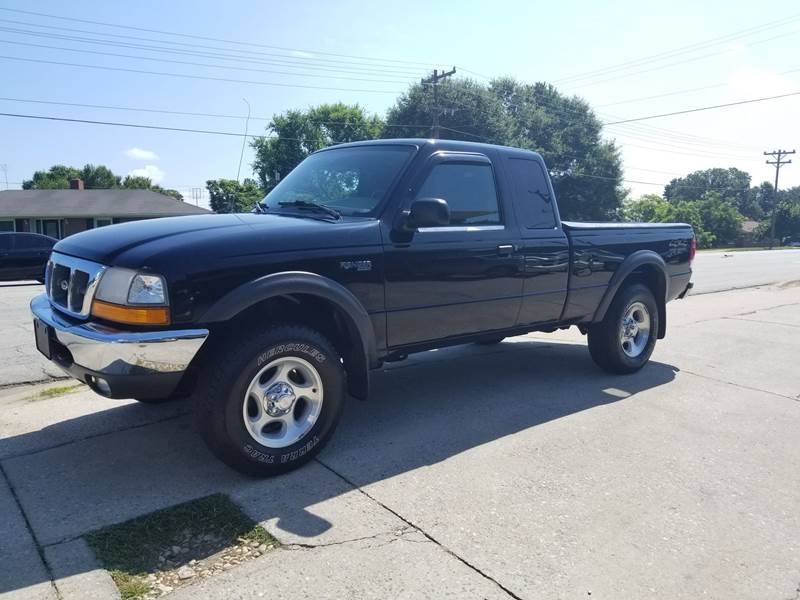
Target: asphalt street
<point x="513" y="471"/>
<point x="716" y="271"/>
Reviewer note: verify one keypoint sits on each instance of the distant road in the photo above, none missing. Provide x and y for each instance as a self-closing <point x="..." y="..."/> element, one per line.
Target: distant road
<point x="717" y="271"/>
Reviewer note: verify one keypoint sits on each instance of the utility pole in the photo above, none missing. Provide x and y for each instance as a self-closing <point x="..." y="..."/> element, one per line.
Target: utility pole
<point x="778" y="162"/>
<point x="4" y="169"/>
<point x="434" y="81"/>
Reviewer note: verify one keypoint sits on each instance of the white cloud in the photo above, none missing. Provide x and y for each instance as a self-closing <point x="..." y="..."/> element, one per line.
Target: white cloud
<point x="140" y="154"/>
<point x="152" y="172"/>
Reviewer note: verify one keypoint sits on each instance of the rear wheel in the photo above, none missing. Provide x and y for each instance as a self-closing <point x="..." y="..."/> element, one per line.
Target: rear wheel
<point x="624" y="340"/>
<point x="272" y="400"/>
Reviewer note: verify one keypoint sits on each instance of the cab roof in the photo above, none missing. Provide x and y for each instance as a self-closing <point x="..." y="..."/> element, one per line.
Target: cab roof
<point x="431" y="145"/>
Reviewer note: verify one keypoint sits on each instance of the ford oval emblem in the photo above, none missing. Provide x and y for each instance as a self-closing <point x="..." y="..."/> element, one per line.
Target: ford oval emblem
<point x="64" y="285"/>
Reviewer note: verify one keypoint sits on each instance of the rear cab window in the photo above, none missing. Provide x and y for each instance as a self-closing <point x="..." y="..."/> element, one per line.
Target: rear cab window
<point x="533" y="202"/>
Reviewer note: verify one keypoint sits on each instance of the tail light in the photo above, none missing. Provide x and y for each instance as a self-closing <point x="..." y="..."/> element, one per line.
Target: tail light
<point x="692" y="249"/>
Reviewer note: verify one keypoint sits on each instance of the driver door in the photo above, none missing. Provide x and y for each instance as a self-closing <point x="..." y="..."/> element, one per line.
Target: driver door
<point x="461" y="278"/>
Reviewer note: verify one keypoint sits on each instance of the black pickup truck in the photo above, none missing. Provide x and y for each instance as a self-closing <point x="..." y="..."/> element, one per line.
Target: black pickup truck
<point x="366" y="252"/>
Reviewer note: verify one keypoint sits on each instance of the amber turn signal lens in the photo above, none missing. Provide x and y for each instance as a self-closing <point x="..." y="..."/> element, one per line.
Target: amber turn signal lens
<point x="131" y="315"/>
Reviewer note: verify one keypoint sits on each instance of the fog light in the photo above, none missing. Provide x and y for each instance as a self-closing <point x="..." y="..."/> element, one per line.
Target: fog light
<point x="102" y="386"/>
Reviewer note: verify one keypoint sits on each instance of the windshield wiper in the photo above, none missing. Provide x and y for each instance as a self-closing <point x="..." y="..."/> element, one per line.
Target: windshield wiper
<point x="305" y="204"/>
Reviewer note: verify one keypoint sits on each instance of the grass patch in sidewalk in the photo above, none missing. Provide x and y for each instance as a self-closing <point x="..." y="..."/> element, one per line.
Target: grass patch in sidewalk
<point x="151" y="555"/>
<point x="59" y="390"/>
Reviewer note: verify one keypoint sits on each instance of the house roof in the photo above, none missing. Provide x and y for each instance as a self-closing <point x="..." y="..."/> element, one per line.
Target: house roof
<point x="91" y="203"/>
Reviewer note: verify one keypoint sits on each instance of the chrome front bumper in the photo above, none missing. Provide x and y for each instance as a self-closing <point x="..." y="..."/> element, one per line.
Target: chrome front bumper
<point x="133" y="363"/>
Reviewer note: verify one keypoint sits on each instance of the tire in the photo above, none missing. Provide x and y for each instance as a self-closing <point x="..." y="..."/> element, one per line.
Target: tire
<point x="490" y="342"/>
<point x="271" y="401"/>
<point x="610" y="343"/>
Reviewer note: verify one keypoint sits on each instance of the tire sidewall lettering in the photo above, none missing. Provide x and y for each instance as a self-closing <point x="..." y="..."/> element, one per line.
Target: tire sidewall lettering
<point x="301" y="348"/>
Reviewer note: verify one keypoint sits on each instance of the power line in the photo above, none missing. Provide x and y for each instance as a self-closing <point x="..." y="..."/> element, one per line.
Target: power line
<point x="702" y="108"/>
<point x="202" y="77"/>
<point x="207" y="38"/>
<point x="180" y="129"/>
<point x="682" y="49"/>
<point x="197" y="64"/>
<point x="240" y="55"/>
<point x="680" y="62"/>
<point x="185" y="113"/>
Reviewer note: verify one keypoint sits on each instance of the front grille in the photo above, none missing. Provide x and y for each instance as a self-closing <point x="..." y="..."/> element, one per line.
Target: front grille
<point x="70" y="283"/>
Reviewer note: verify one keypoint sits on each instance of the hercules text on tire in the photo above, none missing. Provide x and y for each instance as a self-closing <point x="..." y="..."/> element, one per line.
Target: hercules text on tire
<point x="272" y="400"/>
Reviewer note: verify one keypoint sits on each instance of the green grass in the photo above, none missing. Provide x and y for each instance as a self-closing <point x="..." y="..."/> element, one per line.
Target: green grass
<point x="130" y="550"/>
<point x="57" y="391"/>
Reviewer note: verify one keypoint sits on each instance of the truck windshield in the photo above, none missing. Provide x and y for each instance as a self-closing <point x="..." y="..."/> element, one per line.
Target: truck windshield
<point x="350" y="180"/>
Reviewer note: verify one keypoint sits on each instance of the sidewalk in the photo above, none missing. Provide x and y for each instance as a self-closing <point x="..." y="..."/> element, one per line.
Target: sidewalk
<point x="513" y="471"/>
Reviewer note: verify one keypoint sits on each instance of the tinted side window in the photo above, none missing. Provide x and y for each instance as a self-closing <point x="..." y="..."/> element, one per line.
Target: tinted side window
<point x="26" y="242"/>
<point x="469" y="190"/>
<point x="532" y="200"/>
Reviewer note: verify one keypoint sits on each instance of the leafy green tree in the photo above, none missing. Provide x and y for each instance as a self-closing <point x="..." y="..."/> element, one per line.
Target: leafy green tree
<point x="721" y="218"/>
<point x="587" y="170"/>
<point x="787" y="218"/>
<point x="762" y="197"/>
<point x="732" y="184"/>
<point x="230" y="196"/>
<point x="650" y="208"/>
<point x="99" y="177"/>
<point x="56" y="178"/>
<point x="467" y="111"/>
<point x="94" y="177"/>
<point x="295" y="134"/>
<point x="137" y="182"/>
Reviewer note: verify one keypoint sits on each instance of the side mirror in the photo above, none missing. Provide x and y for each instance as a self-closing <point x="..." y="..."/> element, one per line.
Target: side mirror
<point x="428" y="212"/>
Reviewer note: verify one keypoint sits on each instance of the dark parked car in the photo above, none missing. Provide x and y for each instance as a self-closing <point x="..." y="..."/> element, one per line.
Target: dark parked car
<point x="364" y="253"/>
<point x="24" y="255"/>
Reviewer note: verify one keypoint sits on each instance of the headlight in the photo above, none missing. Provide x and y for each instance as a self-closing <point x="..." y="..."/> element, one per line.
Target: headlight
<point x="126" y="296"/>
<point x="147" y="289"/>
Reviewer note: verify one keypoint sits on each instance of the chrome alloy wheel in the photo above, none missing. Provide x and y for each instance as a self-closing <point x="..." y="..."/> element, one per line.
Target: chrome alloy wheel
<point x="634" y="331"/>
<point x="282" y="402"/>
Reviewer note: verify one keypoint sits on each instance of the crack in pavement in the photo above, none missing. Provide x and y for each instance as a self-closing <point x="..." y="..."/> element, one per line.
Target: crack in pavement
<point x="740" y="385"/>
<point x="29" y="528"/>
<point x="397" y="535"/>
<point x="93" y="436"/>
<point x="736" y="318"/>
<point x="422" y="531"/>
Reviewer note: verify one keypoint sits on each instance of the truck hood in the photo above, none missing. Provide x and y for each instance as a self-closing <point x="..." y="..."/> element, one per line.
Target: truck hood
<point x="156" y="244"/>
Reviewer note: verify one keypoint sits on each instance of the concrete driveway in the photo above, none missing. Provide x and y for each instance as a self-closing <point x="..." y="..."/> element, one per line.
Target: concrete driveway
<point x="513" y="471"/>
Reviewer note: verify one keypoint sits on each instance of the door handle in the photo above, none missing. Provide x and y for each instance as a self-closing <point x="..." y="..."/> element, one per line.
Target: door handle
<point x="505" y="249"/>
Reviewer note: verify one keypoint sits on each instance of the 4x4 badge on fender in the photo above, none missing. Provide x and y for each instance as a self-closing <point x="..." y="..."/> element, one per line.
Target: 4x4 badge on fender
<point x="356" y="265"/>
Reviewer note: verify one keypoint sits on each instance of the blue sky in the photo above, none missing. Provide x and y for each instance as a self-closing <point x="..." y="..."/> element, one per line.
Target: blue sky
<point x="531" y="41"/>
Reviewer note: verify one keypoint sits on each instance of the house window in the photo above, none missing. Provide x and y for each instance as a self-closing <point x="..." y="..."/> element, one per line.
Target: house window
<point x="49" y="227"/>
<point x="102" y="221"/>
<point x="7" y="225"/>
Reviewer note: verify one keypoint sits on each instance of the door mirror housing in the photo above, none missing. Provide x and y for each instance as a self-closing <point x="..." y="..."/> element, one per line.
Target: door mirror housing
<point x="428" y="212"/>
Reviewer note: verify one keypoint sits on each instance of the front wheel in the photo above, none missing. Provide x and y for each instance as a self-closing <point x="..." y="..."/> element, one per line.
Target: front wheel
<point x="272" y="400"/>
<point x="624" y="340"/>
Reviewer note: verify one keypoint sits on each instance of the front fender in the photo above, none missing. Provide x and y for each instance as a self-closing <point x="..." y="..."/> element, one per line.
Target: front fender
<point x="300" y="282"/>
